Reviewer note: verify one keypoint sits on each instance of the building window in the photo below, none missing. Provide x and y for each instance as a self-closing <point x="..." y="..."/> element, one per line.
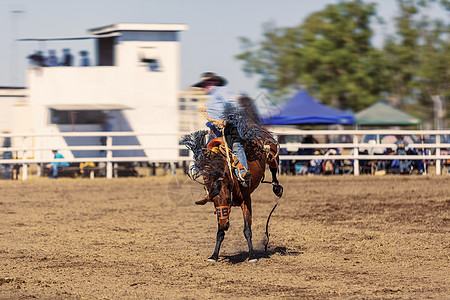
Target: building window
<point x="65" y="117"/>
<point x="153" y="64"/>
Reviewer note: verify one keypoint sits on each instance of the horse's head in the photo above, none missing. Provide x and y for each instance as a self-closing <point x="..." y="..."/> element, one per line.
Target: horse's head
<point x="218" y="184"/>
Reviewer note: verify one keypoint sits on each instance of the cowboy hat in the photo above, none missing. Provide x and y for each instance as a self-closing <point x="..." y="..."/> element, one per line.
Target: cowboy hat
<point x="208" y="77"/>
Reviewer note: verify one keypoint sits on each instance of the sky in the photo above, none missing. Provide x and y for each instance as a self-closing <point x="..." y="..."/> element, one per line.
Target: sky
<point x="210" y="43"/>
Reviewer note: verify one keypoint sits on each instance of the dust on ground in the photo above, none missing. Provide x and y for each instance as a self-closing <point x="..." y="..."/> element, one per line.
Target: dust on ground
<point x="340" y="237"/>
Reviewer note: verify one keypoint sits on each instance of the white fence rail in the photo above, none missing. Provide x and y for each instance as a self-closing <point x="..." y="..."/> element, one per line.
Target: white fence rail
<point x="24" y="147"/>
<point x="433" y="150"/>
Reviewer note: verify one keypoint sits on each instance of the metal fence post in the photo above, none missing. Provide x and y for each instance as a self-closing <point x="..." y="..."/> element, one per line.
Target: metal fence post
<point x="438" y="155"/>
<point x="24" y="165"/>
<point x="38" y="170"/>
<point x="172" y="168"/>
<point x="24" y="171"/>
<point x="355" y="154"/>
<point x="109" y="164"/>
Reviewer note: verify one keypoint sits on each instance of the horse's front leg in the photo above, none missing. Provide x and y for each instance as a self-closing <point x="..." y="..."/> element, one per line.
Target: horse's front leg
<point x="247" y="212"/>
<point x="219" y="240"/>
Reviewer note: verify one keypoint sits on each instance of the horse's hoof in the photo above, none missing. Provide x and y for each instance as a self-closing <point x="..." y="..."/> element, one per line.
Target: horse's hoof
<point x="278" y="190"/>
<point x="253" y="261"/>
<point x="211" y="260"/>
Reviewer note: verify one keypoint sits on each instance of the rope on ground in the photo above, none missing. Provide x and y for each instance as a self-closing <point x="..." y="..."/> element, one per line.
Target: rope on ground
<point x="267" y="224"/>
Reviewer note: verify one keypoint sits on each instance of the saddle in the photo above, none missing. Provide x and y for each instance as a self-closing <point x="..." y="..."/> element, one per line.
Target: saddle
<point x="218" y="145"/>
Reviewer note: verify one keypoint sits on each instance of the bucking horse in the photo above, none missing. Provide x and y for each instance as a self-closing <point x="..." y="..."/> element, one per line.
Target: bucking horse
<point x="214" y="168"/>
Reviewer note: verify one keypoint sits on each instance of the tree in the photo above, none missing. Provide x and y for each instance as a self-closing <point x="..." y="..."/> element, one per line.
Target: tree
<point x="277" y="59"/>
<point x="418" y="60"/>
<point x="330" y="54"/>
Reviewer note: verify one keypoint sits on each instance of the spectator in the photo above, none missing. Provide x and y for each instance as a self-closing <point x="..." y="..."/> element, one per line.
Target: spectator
<point x="401" y="150"/>
<point x="309" y="139"/>
<point x="106" y="126"/>
<point x="37" y="59"/>
<point x="364" y="163"/>
<point x="67" y="59"/>
<point x="417" y="164"/>
<point x="330" y="166"/>
<point x="315" y="165"/>
<point x="85" y="60"/>
<point x="383" y="164"/>
<point x="55" y="166"/>
<point x="7" y="155"/>
<point x="284" y="164"/>
<point x="51" y="60"/>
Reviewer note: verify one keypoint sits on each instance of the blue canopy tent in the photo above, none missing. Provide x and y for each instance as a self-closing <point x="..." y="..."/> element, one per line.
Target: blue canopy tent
<point x="304" y="109"/>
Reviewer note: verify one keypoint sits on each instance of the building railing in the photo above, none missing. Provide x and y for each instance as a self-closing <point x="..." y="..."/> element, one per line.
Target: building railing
<point x="354" y="147"/>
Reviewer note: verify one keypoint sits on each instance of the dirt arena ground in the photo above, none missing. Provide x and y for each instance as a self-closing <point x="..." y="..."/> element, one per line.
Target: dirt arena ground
<point x="340" y="237"/>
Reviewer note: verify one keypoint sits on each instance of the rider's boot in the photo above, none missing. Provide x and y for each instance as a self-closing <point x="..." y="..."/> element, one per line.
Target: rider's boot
<point x="242" y="171"/>
<point x="203" y="200"/>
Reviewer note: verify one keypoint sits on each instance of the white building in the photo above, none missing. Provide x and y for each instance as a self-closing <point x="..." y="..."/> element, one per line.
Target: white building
<point x="134" y="82"/>
<point x="189" y="102"/>
<point x="11" y="98"/>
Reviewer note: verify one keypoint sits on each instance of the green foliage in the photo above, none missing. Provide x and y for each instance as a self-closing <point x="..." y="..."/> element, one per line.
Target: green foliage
<point x="417" y="58"/>
<point x="331" y="55"/>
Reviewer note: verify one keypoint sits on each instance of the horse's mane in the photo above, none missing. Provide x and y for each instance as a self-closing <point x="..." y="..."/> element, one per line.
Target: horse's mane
<point x="212" y="167"/>
<point x="248" y="106"/>
<point x="248" y="128"/>
<point x="207" y="163"/>
<point x="212" y="164"/>
<point x="196" y="142"/>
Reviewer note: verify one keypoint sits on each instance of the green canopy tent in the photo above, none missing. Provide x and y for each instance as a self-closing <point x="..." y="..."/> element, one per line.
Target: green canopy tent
<point x="382" y="114"/>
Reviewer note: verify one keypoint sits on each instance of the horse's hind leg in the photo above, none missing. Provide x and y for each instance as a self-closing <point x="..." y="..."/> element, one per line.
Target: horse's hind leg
<point x="273" y="167"/>
<point x="277" y="188"/>
<point x="247" y="212"/>
<point x="273" y="162"/>
<point x="219" y="240"/>
<point x="274" y="172"/>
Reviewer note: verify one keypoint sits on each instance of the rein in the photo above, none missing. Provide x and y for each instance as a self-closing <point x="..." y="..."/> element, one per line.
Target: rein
<point x="227" y="150"/>
<point x="228" y="158"/>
